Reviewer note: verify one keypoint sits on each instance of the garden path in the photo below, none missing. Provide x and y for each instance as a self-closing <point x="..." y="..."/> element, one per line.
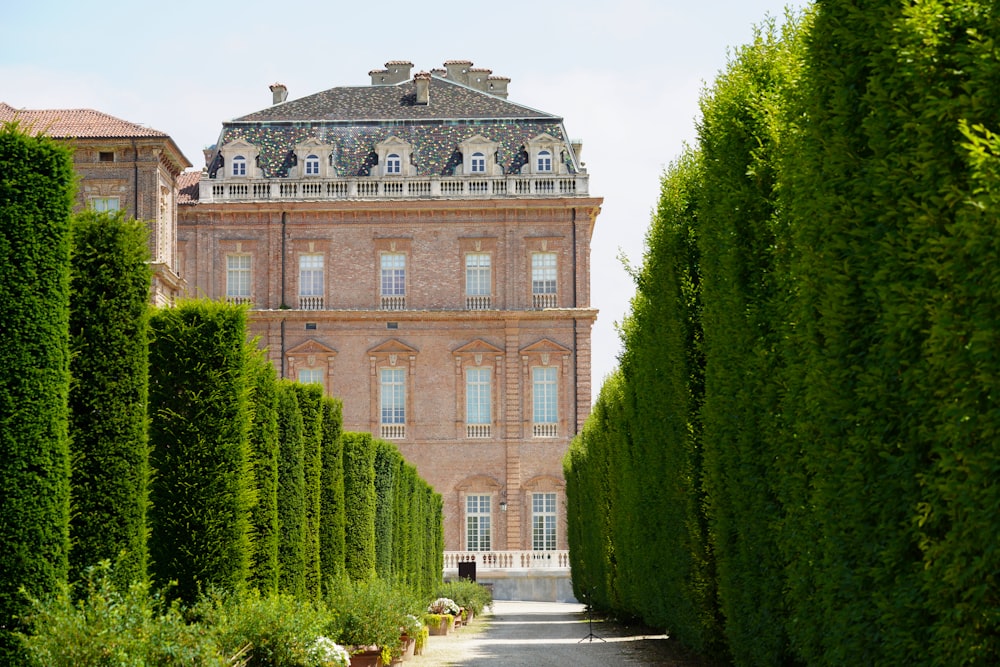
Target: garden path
<point x="519" y="634"/>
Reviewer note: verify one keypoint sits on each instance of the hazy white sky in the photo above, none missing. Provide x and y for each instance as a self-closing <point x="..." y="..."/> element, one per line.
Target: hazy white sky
<point x="626" y="76"/>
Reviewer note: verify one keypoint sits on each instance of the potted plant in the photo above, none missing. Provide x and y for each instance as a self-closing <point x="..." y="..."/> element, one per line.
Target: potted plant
<point x="324" y="652"/>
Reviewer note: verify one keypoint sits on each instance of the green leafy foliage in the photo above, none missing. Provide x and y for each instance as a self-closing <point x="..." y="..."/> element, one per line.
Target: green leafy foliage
<point x="202" y="492"/>
<point x="332" y="513"/>
<point x="359" y="504"/>
<point x="264" y="447"/>
<point x="108" y="394"/>
<point x="36" y="192"/>
<point x="292" y="495"/>
<point x="311" y="406"/>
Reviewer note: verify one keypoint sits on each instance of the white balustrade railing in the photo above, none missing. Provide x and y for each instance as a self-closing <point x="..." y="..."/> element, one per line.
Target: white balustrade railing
<point x="310" y="302"/>
<point x="478" y="302"/>
<point x="392" y="431"/>
<point x="398" y="187"/>
<point x="392" y="302"/>
<point x="539" y="301"/>
<point x="507" y="560"/>
<point x="478" y="431"/>
<point x="240" y="300"/>
<point x="544" y="430"/>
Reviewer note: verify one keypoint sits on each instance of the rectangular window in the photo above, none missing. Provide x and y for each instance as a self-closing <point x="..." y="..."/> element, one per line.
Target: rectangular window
<point x="477" y="523"/>
<point x="106" y="156"/>
<point x="238" y="278"/>
<point x="311" y="282"/>
<point x="478" y="280"/>
<point x="392" y="402"/>
<point x="392" y="283"/>
<point x="105" y="204"/>
<point x="543" y="279"/>
<point x="478" y="404"/>
<point x="311" y="376"/>
<point x="543" y="521"/>
<point x="544" y="402"/>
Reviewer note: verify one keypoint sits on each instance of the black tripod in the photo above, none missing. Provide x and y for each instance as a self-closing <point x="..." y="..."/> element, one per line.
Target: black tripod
<point x="590" y="622"/>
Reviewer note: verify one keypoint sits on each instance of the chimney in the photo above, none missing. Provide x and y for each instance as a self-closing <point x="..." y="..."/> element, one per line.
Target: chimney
<point x="422" y="80"/>
<point x="497" y="85"/>
<point x="397" y="71"/>
<point x="577" y="148"/>
<point x="279" y="93"/>
<point x="458" y="70"/>
<point x="479" y="78"/>
<point x="209" y="154"/>
<point x="379" y="76"/>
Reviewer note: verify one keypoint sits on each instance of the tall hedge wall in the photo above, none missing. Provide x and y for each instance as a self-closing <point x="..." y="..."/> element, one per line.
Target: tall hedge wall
<point x="108" y="394"/>
<point x="36" y="191"/>
<point x="828" y="251"/>
<point x="264" y="449"/>
<point x="359" y="503"/>
<point x="387" y="460"/>
<point x="332" y="510"/>
<point x="201" y="494"/>
<point x="311" y="406"/>
<point x="292" y="494"/>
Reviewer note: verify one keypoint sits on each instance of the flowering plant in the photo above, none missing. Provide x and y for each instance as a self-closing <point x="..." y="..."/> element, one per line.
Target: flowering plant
<point x="443" y="606"/>
<point x="410" y="626"/>
<point x="324" y="652"/>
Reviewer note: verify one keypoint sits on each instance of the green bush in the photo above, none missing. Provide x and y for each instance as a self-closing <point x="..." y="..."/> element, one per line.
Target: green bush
<point x="36" y="191"/>
<point x="278" y="628"/>
<point x="108" y="394"/>
<point x="104" y="623"/>
<point x="202" y="491"/>
<point x="331" y="528"/>
<point x="370" y="613"/>
<point x="264" y="447"/>
<point x="359" y="504"/>
<point x="292" y="499"/>
<point x="467" y="594"/>
<point x="311" y="406"/>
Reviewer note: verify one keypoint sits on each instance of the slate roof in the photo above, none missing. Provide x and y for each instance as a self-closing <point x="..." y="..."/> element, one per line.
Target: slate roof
<point x="354" y="119"/>
<point x="76" y="123"/>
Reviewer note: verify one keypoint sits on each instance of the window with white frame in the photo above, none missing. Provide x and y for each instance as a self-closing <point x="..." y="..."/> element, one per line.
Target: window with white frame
<point x="238" y="278"/>
<point x="543" y="279"/>
<point x="239" y="166"/>
<point x="478" y="281"/>
<point x="105" y="204"/>
<point x="477" y="522"/>
<point x="544" y="161"/>
<point x="311" y="281"/>
<point x="478" y="402"/>
<point x="312" y="165"/>
<point x="392" y="281"/>
<point x="543" y="521"/>
<point x="544" y="401"/>
<point x="393" y="163"/>
<point x="478" y="163"/>
<point x="311" y="376"/>
<point x="392" y="402"/>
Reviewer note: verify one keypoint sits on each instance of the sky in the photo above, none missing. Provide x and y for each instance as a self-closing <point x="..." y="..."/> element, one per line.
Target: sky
<point x="626" y="77"/>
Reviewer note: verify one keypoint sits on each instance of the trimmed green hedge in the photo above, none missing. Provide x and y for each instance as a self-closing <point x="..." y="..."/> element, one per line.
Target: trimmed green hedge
<point x="359" y="503"/>
<point x="201" y="494"/>
<point x="36" y="191"/>
<point x="332" y="510"/>
<point x="108" y="394"/>
<point x="311" y="406"/>
<point x="264" y="448"/>
<point x="292" y="496"/>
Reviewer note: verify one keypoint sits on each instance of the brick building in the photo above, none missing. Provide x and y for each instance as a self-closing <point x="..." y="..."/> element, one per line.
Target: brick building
<point x="421" y="247"/>
<point x="121" y="165"/>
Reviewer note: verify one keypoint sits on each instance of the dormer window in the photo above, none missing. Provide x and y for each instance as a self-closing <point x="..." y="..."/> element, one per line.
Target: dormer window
<point x="312" y="165"/>
<point x="478" y="163"/>
<point x="239" y="166"/>
<point x="544" y="161"/>
<point x="393" y="164"/>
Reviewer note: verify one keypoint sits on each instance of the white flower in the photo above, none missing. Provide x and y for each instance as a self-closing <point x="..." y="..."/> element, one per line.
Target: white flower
<point x="327" y="653"/>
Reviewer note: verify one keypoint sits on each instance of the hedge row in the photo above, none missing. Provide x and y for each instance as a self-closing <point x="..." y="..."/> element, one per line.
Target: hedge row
<point x="36" y="190"/>
<point x="809" y="366"/>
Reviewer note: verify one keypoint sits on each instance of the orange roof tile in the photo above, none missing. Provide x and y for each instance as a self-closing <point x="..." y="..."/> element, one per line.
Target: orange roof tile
<point x="70" y="123"/>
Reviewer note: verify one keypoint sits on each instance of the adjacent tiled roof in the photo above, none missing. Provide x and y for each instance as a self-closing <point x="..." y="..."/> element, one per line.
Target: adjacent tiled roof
<point x="187" y="187"/>
<point x="353" y="120"/>
<point x="75" y="123"/>
<point x="448" y="101"/>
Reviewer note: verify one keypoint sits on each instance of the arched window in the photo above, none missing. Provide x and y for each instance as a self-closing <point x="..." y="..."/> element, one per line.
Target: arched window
<point x="544" y="161"/>
<point x="239" y="166"/>
<point x="478" y="163"/>
<point x="312" y="165"/>
<point x="393" y="164"/>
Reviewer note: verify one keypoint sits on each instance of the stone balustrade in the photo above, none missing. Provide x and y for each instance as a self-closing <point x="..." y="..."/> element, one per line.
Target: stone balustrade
<point x="507" y="560"/>
<point x="236" y="189"/>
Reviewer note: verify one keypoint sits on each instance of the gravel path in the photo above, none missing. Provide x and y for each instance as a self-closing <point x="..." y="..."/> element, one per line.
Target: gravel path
<point x="519" y="634"/>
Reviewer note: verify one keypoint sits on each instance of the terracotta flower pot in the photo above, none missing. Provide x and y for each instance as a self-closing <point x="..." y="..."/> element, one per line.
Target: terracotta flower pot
<point x="367" y="658"/>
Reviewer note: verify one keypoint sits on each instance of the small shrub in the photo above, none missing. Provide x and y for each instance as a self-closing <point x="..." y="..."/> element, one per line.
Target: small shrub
<point x="110" y="625"/>
<point x="467" y="594"/>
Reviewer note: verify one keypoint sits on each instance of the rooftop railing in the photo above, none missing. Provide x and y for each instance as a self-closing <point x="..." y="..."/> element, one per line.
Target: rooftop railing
<point x="237" y="189"/>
